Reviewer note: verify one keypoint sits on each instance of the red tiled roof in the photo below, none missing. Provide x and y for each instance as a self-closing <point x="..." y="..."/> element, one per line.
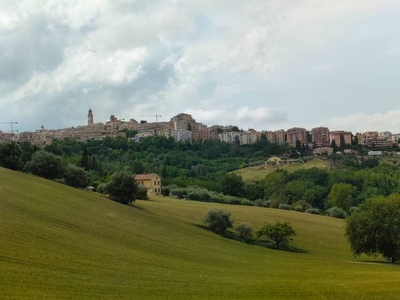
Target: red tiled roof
<point x="144" y="176"/>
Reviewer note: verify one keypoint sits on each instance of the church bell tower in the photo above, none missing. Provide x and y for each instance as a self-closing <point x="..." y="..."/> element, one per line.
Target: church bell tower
<point x="90" y="117"/>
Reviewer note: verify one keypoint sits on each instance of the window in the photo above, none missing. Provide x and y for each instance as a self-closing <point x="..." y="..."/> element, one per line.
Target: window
<point x="155" y="182"/>
<point x="159" y="182"/>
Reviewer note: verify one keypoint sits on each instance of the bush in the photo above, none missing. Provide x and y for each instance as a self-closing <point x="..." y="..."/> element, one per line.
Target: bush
<point x="260" y="203"/>
<point x="303" y="204"/>
<point x="245" y="232"/>
<point x="246" y="202"/>
<point x="218" y="220"/>
<point x="314" y="211"/>
<point x="141" y="193"/>
<point x="165" y="191"/>
<point x="285" y="206"/>
<point x="101" y="188"/>
<point x="336" y="212"/>
<point x="298" y="208"/>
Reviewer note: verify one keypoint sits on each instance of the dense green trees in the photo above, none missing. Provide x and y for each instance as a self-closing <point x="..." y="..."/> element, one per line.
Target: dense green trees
<point x="11" y="156"/>
<point x="232" y="184"/>
<point x="374" y="228"/>
<point x="45" y="164"/>
<point x="341" y="195"/>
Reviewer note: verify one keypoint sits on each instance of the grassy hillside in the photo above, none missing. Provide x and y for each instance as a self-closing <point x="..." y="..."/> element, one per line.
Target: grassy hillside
<point x="259" y="172"/>
<point x="62" y="243"/>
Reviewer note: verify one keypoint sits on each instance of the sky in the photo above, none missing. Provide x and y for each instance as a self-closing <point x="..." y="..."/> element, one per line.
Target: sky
<point x="262" y="64"/>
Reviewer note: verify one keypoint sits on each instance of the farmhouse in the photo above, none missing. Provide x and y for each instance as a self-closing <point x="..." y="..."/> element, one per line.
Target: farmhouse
<point x="151" y="181"/>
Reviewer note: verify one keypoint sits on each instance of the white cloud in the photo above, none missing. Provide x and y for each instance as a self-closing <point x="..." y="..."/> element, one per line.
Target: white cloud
<point x="252" y="63"/>
<point x="244" y="117"/>
<point x="361" y="122"/>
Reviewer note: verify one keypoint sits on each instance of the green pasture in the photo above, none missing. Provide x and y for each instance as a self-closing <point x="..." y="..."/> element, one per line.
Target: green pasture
<point x="58" y="242"/>
<point x="259" y="172"/>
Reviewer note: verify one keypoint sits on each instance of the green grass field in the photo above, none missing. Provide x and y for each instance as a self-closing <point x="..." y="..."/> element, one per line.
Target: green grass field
<point x="259" y="172"/>
<point x="58" y="242"/>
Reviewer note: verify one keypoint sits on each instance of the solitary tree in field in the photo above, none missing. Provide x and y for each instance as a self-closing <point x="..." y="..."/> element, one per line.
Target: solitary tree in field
<point x="280" y="233"/>
<point x="375" y="228"/>
<point x="122" y="188"/>
<point x="218" y="220"/>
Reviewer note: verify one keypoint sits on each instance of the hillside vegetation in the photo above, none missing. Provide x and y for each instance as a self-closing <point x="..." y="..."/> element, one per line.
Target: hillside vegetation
<point x="259" y="172"/>
<point x="62" y="243"/>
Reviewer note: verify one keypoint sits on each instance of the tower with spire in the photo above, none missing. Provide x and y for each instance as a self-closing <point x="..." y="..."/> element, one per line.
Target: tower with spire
<point x="90" y="117"/>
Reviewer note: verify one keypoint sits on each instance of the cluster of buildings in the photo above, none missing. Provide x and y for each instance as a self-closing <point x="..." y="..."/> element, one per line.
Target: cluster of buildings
<point x="183" y="127"/>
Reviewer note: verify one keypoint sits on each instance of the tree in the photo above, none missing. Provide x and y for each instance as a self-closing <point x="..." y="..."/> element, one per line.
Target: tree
<point x="333" y="146"/>
<point x="232" y="184"/>
<point x="122" y="188"/>
<point x="341" y="195"/>
<point x="76" y="177"/>
<point x="245" y="231"/>
<point x="280" y="233"/>
<point x="218" y="220"/>
<point x="45" y="164"/>
<point x="10" y="156"/>
<point x="375" y="228"/>
<point x="275" y="184"/>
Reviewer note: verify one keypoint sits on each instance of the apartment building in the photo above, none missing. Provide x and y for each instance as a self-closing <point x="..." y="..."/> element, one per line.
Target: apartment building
<point x="277" y="137"/>
<point x="320" y="137"/>
<point x="340" y="137"/>
<point x="296" y="133"/>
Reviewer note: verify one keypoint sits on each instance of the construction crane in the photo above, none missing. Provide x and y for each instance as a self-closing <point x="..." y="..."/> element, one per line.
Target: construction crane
<point x="156" y="116"/>
<point x="12" y="125"/>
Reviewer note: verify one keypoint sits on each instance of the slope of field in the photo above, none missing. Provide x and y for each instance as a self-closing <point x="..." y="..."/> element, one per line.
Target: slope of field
<point x="61" y="243"/>
<point x="259" y="172"/>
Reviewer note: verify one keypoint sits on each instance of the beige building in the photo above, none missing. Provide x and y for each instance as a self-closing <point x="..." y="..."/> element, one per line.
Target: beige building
<point x="296" y="133"/>
<point x="151" y="181"/>
<point x="340" y="136"/>
<point x="277" y="137"/>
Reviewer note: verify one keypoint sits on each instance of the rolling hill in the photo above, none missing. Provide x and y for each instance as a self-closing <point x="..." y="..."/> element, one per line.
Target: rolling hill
<point x="259" y="172"/>
<point x="62" y="243"/>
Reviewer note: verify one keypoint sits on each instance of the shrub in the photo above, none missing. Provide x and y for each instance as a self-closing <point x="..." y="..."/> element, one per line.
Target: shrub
<point x="303" y="204"/>
<point x="285" y="206"/>
<point x="245" y="232"/>
<point x="298" y="208"/>
<point x="165" y="191"/>
<point x="314" y="211"/>
<point x="101" y="188"/>
<point x="336" y="212"/>
<point x="260" y="203"/>
<point x="218" y="220"/>
<point x="247" y="202"/>
<point x="141" y="193"/>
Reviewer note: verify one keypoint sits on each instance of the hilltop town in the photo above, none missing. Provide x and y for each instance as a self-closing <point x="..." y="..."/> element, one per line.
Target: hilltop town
<point x="183" y="127"/>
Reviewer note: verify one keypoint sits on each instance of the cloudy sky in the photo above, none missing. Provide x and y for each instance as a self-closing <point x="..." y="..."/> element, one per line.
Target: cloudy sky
<point x="263" y="64"/>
